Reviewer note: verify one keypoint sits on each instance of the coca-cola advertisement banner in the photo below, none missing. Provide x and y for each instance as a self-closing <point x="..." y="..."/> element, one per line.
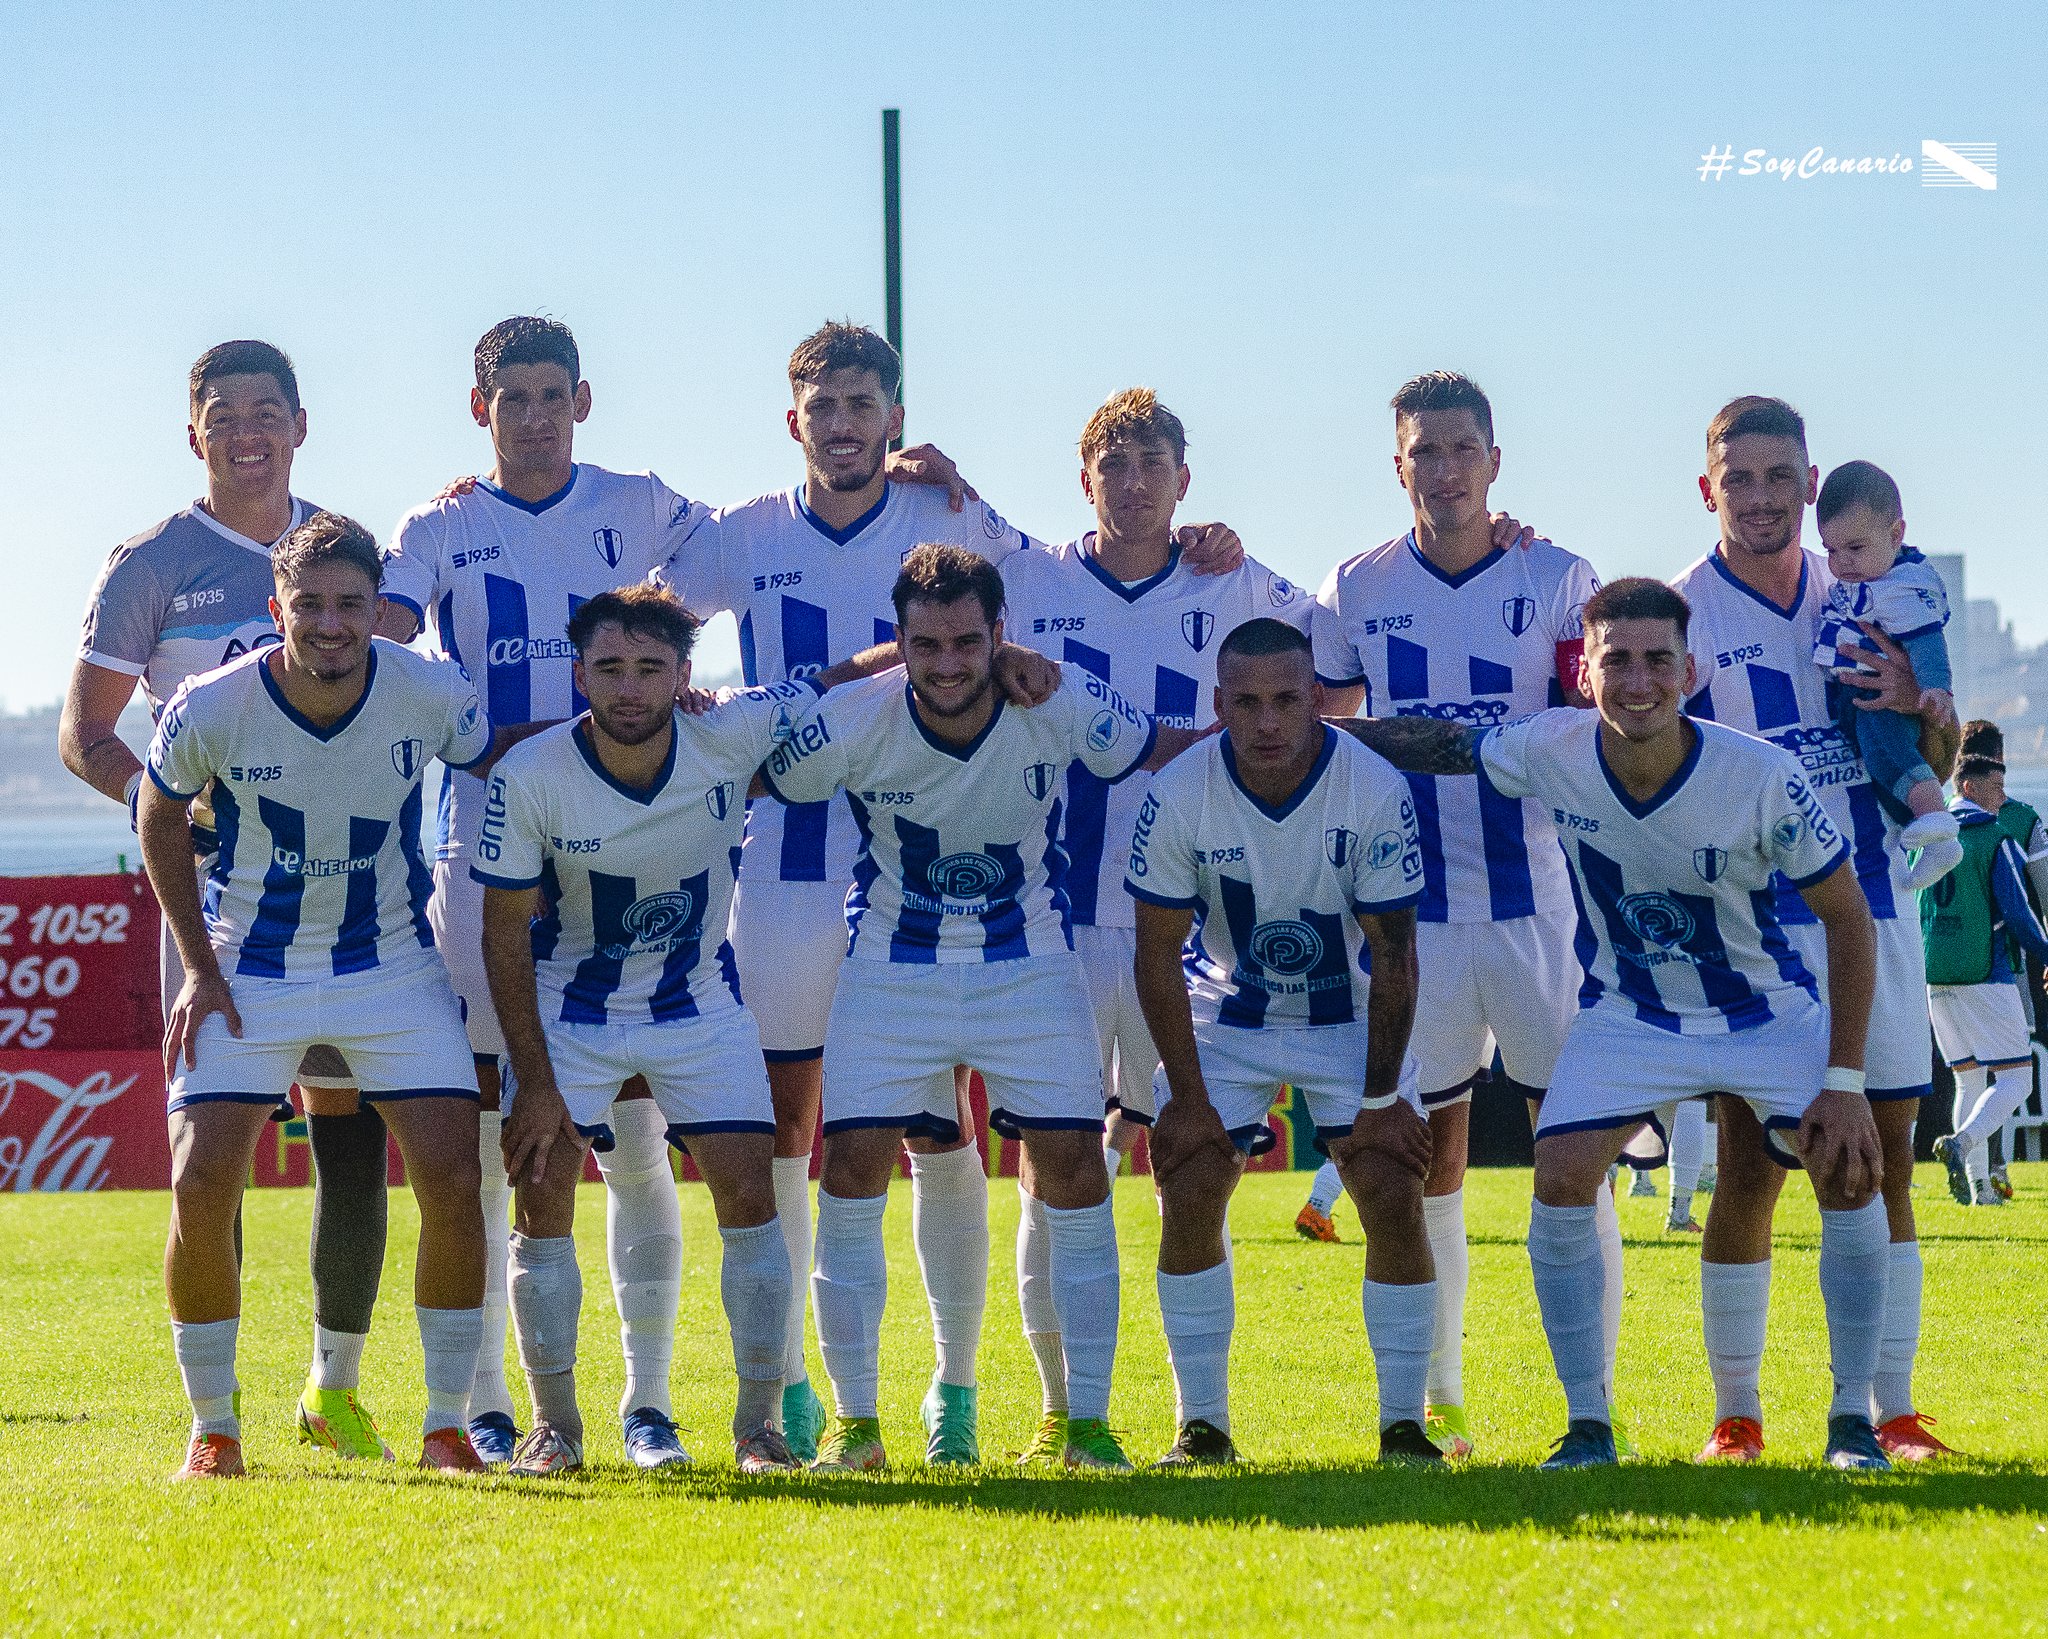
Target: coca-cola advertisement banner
<point x="78" y="963"/>
<point x="78" y="1121"/>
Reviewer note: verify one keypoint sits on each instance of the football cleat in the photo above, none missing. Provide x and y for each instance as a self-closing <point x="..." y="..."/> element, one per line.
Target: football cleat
<point x="1585" y="1444"/>
<point x="803" y="1419"/>
<point x="1686" y="1225"/>
<point x="2001" y="1180"/>
<point x="1312" y="1223"/>
<point x="1049" y="1444"/>
<point x="1200" y="1444"/>
<point x="764" y="1451"/>
<point x="854" y="1446"/>
<point x="1405" y="1445"/>
<point x="1734" y="1440"/>
<point x="1907" y="1439"/>
<point x="1642" y="1185"/>
<point x="448" y="1451"/>
<point x="1624" y="1444"/>
<point x="1950" y="1154"/>
<point x="1093" y="1444"/>
<point x="212" y="1457"/>
<point x="651" y="1440"/>
<point x="950" y="1415"/>
<point x="493" y="1436"/>
<point x="1709" y="1176"/>
<point x="336" y="1421"/>
<point x="1987" y="1193"/>
<point x="1852" y="1444"/>
<point x="546" y="1453"/>
<point x="1449" y="1430"/>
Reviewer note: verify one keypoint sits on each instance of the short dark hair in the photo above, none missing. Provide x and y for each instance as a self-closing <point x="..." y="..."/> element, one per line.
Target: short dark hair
<point x="645" y="610"/>
<point x="1753" y="415"/>
<point x="1982" y="739"/>
<point x="1859" y="483"/>
<point x="326" y="537"/>
<point x="946" y="574"/>
<point x="1637" y="597"/>
<point x="525" y="339"/>
<point x="244" y="358"/>
<point x="840" y="344"/>
<point x="1264" y="636"/>
<point x="1443" y="390"/>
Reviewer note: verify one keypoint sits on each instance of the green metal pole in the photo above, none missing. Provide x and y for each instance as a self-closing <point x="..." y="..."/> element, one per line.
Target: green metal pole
<point x="892" y="239"/>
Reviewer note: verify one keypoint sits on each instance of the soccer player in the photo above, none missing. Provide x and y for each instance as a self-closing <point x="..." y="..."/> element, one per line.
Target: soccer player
<point x="1675" y="831"/>
<point x="959" y="952"/>
<point x="188" y="595"/>
<point x="624" y="823"/>
<point x="1298" y="848"/>
<point x="313" y="930"/>
<point x="1446" y="623"/>
<point x="1124" y="605"/>
<point x="1758" y="600"/>
<point x="808" y="571"/>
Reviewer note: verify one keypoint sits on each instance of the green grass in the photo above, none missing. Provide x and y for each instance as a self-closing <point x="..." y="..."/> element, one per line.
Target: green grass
<point x="1310" y="1540"/>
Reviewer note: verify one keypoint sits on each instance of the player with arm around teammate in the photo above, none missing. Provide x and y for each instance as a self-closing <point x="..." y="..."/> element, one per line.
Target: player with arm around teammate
<point x="1297" y="848"/>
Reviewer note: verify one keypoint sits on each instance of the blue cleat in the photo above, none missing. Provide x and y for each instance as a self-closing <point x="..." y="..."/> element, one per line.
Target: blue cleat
<point x="803" y="1420"/>
<point x="1852" y="1444"/>
<point x="1586" y="1444"/>
<point x="651" y="1440"/>
<point x="494" y="1436"/>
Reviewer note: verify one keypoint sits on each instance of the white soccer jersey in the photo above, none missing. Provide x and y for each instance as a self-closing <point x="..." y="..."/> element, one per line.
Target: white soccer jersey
<point x="637" y="885"/>
<point x="1908" y="600"/>
<point x="494" y="579"/>
<point x="319" y="871"/>
<point x="1274" y="890"/>
<point x="1756" y="673"/>
<point x="808" y="596"/>
<point x="959" y="845"/>
<point x="1155" y="642"/>
<point x="1677" y="919"/>
<point x="181" y="599"/>
<point x="1480" y="648"/>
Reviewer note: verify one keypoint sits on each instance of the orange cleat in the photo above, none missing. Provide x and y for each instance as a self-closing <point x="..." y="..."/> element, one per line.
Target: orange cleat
<point x="448" y="1451"/>
<point x="213" y="1457"/>
<point x="1734" y="1440"/>
<point x="1907" y="1439"/>
<point x="1312" y="1224"/>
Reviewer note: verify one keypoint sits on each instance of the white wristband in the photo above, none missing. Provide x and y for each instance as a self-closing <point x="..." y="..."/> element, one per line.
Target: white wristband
<point x="1385" y="1101"/>
<point x="1839" y="1080"/>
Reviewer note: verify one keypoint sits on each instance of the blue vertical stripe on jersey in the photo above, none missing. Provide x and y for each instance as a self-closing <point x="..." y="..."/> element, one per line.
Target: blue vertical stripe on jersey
<point x="728" y="968"/>
<point x="419" y="876"/>
<point x="1728" y="992"/>
<point x="1873" y="855"/>
<point x="1329" y="978"/>
<point x="1407" y="670"/>
<point x="865" y="870"/>
<point x="750" y="669"/>
<point x="806" y="651"/>
<point x="227" y="826"/>
<point x="1490" y="676"/>
<point x="916" y="938"/>
<point x="355" y="941"/>
<point x="284" y="892"/>
<point x="1058" y="873"/>
<point x="1509" y="890"/>
<point x="508" y="683"/>
<point x="1604" y="886"/>
<point x="577" y="704"/>
<point x="544" y="933"/>
<point x="1087" y="803"/>
<point x="885" y="632"/>
<point x="1002" y="924"/>
<point x="1585" y="946"/>
<point x="1434" y="906"/>
<point x="444" y="813"/>
<point x="1175" y="697"/>
<point x="444" y="627"/>
<point x="598" y="974"/>
<point x="672" y="998"/>
<point x="1764" y="904"/>
<point x="1772" y="697"/>
<point x="1245" y="1006"/>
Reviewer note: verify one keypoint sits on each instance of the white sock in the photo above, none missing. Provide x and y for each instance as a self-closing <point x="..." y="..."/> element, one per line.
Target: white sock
<point x="1893" y="1389"/>
<point x="449" y="1338"/>
<point x="1855" y="1266"/>
<point x="1443" y="1218"/>
<point x="1327" y="1185"/>
<point x="1112" y="1158"/>
<point x="1935" y="835"/>
<point x="793" y="1213"/>
<point x="1199" y="1312"/>
<point x="1993" y="1107"/>
<point x="1034" y="1301"/>
<point x="206" y="1361"/>
<point x="1970" y="1085"/>
<point x="1398" y="1324"/>
<point x="1608" y="1227"/>
<point x="547" y="1303"/>
<point x="643" y="1227"/>
<point x="849" y="1287"/>
<point x="753" y="1280"/>
<point x="1688" y="1154"/>
<point x="1086" y="1294"/>
<point x="1735" y="1305"/>
<point x="338" y="1358"/>
<point x="489" y="1392"/>
<point x="949" y="1227"/>
<point x="1564" y="1256"/>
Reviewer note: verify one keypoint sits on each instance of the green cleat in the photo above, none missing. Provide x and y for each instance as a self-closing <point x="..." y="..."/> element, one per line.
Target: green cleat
<point x="803" y="1419"/>
<point x="1449" y="1430"/>
<point x="1624" y="1444"/>
<point x="854" y="1446"/>
<point x="1092" y="1444"/>
<point x="336" y="1421"/>
<point x="950" y="1415"/>
<point x="1049" y="1444"/>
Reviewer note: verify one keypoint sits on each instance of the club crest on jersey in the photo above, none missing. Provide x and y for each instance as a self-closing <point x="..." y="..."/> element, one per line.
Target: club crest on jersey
<point x="1518" y="613"/>
<point x="964" y="875"/>
<point x="1656" y="918"/>
<point x="610" y="544"/>
<point x="1286" y="947"/>
<point x="719" y="799"/>
<point x="1710" y="863"/>
<point x="1340" y="842"/>
<point x="1039" y="778"/>
<point x="1103" y="730"/>
<point x="408" y="757"/>
<point x="1198" y="626"/>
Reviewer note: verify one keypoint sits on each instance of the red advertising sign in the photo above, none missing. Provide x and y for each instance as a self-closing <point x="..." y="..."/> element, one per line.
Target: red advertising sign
<point x="79" y="1121"/>
<point x="78" y="963"/>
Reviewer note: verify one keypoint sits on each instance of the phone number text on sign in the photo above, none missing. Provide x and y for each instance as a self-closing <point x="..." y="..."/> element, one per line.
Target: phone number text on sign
<point x="78" y="963"/>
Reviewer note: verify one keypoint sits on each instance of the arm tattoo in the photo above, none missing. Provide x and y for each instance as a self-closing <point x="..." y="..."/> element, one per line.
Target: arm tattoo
<point x="1417" y="745"/>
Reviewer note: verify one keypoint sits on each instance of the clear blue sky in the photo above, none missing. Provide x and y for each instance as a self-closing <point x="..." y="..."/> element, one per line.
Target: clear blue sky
<point x="1272" y="215"/>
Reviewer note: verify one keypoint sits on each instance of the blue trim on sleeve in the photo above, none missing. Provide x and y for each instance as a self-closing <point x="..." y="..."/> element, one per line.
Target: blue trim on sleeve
<point x="516" y="884"/>
<point x="1340" y="682"/>
<point x="482" y="756"/>
<point x="1144" y="751"/>
<point x="1163" y="901"/>
<point x="768" y="784"/>
<point x="1385" y="906"/>
<point x="1804" y="882"/>
<point x="175" y="795"/>
<point x="405" y="602"/>
<point x="1918" y="632"/>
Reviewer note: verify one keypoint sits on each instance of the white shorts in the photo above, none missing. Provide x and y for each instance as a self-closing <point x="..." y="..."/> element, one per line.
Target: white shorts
<point x="1980" y="1027"/>
<point x="401" y="1033"/>
<point x="1515" y="984"/>
<point x="456" y="914"/>
<point x="897" y="1029"/>
<point x="788" y="939"/>
<point x="1615" y="1071"/>
<point x="705" y="1073"/>
<point x="1244" y="1071"/>
<point x="1898" y="1060"/>
<point x="1128" y="1056"/>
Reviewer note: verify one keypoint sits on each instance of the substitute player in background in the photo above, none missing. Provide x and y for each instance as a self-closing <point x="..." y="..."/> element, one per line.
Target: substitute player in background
<point x="313" y="931"/>
<point x="1445" y="623"/>
<point x="1298" y="848"/>
<point x="182" y="598"/>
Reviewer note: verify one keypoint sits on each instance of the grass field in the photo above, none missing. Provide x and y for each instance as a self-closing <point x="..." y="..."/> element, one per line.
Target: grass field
<point x="1310" y="1539"/>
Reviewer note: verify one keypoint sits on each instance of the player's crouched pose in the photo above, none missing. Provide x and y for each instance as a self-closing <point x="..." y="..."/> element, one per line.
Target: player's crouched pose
<point x="1674" y="829"/>
<point x="1298" y="847"/>
<point x="626" y="822"/>
<point x="313" y="933"/>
